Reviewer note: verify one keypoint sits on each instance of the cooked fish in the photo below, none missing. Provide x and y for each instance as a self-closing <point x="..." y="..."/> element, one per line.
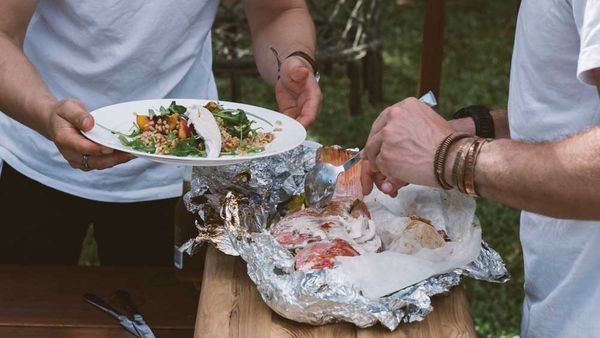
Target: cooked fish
<point x="322" y="255"/>
<point x="343" y="228"/>
<point x="345" y="219"/>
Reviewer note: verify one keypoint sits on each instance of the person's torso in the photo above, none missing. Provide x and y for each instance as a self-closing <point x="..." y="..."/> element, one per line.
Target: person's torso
<point x="104" y="52"/>
<point x="548" y="102"/>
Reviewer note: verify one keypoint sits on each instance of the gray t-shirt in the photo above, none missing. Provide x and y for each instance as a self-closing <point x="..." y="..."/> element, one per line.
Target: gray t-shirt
<point x="552" y="95"/>
<point x="105" y="52"/>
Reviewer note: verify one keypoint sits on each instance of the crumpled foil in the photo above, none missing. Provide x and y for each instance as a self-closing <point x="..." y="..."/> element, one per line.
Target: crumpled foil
<point x="234" y="205"/>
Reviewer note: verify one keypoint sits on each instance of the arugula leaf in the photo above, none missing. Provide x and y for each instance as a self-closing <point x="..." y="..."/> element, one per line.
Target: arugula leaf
<point x="172" y="136"/>
<point x="235" y="121"/>
<point x="137" y="144"/>
<point x="175" y="108"/>
<point x="260" y="118"/>
<point x="172" y="109"/>
<point x="187" y="147"/>
<point x="252" y="150"/>
<point x="135" y="131"/>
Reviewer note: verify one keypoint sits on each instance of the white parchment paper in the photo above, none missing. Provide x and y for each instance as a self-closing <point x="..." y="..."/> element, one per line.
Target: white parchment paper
<point x="379" y="274"/>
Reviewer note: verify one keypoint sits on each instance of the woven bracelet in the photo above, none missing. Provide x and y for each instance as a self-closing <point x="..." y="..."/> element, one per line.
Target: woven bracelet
<point x="441" y="155"/>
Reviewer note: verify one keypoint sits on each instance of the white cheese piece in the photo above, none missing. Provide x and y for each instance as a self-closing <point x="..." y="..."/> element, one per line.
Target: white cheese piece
<point x="206" y="126"/>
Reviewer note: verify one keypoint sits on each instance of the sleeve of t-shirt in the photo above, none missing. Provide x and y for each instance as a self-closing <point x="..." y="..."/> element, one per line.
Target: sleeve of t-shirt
<point x="587" y="19"/>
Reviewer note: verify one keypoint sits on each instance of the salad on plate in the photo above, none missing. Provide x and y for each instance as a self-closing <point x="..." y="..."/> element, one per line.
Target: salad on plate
<point x="201" y="131"/>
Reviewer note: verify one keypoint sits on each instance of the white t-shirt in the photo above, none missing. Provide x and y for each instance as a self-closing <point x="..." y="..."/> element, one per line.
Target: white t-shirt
<point x="105" y="52"/>
<point x="552" y="94"/>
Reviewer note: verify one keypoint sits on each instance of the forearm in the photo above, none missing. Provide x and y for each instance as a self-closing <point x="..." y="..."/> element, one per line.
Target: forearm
<point x="500" y="117"/>
<point x="284" y="25"/>
<point x="558" y="179"/>
<point x="23" y="95"/>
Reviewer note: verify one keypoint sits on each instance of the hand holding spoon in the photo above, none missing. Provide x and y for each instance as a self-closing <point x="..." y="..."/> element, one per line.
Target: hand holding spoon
<point x="321" y="180"/>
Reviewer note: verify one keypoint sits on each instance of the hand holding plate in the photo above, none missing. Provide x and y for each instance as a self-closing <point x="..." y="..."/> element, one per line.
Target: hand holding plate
<point x="67" y="119"/>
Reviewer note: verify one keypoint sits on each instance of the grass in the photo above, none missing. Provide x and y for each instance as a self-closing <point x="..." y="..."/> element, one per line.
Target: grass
<point x="89" y="249"/>
<point x="477" y="54"/>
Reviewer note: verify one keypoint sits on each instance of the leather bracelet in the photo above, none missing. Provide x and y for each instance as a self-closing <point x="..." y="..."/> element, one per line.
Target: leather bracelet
<point x="470" y="168"/>
<point x="477" y="151"/>
<point x="458" y="169"/>
<point x="469" y="176"/>
<point x="310" y="60"/>
<point x="441" y="154"/>
<point x="301" y="54"/>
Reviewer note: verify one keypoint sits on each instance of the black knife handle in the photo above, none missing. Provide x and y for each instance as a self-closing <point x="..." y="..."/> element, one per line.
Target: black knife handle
<point x="127" y="302"/>
<point x="100" y="303"/>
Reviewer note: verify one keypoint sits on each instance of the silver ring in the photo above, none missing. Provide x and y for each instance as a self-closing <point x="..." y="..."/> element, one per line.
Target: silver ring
<point x="85" y="160"/>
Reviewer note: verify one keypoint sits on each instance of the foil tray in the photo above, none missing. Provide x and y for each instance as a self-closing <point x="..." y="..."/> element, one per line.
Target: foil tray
<point x="234" y="206"/>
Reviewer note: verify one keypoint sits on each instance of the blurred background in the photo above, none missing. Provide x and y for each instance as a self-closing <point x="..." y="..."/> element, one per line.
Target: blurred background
<point x="370" y="55"/>
<point x="478" y="39"/>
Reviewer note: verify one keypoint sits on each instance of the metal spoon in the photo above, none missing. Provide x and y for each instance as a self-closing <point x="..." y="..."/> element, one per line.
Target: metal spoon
<point x="320" y="182"/>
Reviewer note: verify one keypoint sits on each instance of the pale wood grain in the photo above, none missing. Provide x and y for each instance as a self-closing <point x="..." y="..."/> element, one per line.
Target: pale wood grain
<point x="230" y="306"/>
<point x="217" y="296"/>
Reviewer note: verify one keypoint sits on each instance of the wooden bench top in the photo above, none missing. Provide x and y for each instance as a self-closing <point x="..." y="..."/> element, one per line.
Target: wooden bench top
<point x="46" y="301"/>
<point x="230" y="306"/>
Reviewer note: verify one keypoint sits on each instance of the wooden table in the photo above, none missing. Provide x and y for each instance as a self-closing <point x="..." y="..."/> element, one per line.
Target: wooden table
<point x="46" y="301"/>
<point x="231" y="307"/>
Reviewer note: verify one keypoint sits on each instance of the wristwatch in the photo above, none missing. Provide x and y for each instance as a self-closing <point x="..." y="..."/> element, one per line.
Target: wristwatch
<point x="484" y="123"/>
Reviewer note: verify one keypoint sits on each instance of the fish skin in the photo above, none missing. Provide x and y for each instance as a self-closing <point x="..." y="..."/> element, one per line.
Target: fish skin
<point x="296" y="240"/>
<point x="322" y="255"/>
<point x="343" y="228"/>
<point x="206" y="126"/>
<point x="341" y="219"/>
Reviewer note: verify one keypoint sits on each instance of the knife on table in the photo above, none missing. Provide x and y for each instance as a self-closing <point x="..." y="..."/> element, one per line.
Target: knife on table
<point x="132" y="310"/>
<point x="128" y="324"/>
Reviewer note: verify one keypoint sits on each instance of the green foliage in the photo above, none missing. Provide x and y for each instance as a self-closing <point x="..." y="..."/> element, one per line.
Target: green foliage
<point x="477" y="53"/>
<point x="89" y="249"/>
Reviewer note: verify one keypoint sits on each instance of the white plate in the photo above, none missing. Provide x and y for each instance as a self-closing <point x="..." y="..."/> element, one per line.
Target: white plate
<point x="120" y="117"/>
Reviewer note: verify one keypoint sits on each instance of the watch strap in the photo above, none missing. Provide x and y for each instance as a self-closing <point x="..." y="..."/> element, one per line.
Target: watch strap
<point x="484" y="123"/>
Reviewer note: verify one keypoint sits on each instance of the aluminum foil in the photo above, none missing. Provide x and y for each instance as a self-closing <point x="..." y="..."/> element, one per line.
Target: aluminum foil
<point x="236" y="203"/>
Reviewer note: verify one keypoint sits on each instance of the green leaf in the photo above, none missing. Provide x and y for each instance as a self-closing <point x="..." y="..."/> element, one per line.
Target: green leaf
<point x="235" y="121"/>
<point x="136" y="131"/>
<point x="187" y="147"/>
<point x="124" y="141"/>
<point x="137" y="144"/>
<point x="175" y="108"/>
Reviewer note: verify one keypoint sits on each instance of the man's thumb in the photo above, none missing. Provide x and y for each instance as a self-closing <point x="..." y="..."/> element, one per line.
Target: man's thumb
<point x="74" y="112"/>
